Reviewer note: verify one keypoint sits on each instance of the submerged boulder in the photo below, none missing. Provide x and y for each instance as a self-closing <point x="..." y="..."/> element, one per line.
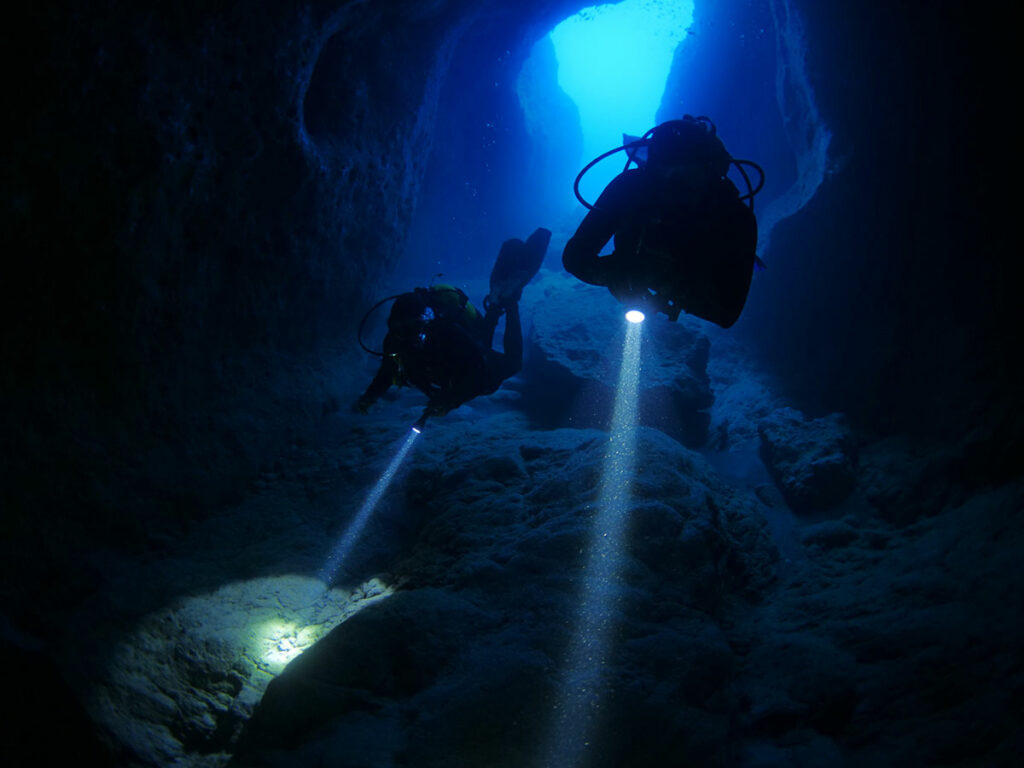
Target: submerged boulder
<point x="463" y="665"/>
<point x="904" y="481"/>
<point x="574" y="354"/>
<point x="810" y="459"/>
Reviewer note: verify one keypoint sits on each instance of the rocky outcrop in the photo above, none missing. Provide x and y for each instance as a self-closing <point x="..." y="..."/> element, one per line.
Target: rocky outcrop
<point x="892" y="632"/>
<point x="810" y="459"/>
<point x="475" y="638"/>
<point x="905" y="482"/>
<point x="199" y="201"/>
<point x="574" y="348"/>
<point x="446" y="633"/>
<point x="187" y="677"/>
<point x="888" y="318"/>
<point x="876" y="642"/>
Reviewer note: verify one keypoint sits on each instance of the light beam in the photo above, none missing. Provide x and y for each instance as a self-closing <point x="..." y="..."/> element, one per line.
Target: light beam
<point x="351" y="534"/>
<point x="580" y="696"/>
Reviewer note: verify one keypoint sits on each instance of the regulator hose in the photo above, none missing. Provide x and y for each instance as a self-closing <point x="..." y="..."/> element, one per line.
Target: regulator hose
<point x="370" y="311"/>
<point x="362" y="324"/>
<point x="645" y="140"/>
<point x="751" y="190"/>
<point x="576" y="185"/>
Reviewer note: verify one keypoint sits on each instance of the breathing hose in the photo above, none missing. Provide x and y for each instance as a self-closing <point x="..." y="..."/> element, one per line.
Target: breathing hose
<point x="370" y="311"/>
<point x="643" y="141"/>
<point x="362" y="324"/>
<point x="576" y="185"/>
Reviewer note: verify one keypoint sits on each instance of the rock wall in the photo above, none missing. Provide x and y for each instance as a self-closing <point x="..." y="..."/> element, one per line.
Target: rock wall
<point x="488" y="177"/>
<point x="574" y="348"/>
<point x="888" y="289"/>
<point x="463" y="665"/>
<point x="199" y="200"/>
<point x="888" y="296"/>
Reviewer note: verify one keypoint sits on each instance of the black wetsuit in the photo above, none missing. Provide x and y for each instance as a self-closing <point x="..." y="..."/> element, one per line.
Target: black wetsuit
<point x="451" y="363"/>
<point x="694" y="249"/>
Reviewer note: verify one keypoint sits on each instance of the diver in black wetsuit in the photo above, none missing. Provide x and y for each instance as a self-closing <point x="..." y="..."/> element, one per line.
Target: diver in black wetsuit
<point x="439" y="343"/>
<point x="684" y="238"/>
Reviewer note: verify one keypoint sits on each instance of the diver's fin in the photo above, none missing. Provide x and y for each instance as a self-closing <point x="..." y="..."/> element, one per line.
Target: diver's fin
<point x="536" y="249"/>
<point x="515" y="266"/>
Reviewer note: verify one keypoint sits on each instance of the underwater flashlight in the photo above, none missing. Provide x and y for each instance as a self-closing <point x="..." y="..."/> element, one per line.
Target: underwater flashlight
<point x="421" y="422"/>
<point x="635" y="316"/>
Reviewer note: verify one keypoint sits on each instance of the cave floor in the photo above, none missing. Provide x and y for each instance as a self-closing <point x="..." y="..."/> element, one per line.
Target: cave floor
<point x="878" y="642"/>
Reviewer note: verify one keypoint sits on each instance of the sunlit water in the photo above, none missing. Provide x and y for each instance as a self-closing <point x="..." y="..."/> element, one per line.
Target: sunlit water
<point x="614" y="61"/>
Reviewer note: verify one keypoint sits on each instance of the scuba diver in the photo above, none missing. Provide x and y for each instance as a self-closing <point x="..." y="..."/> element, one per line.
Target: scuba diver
<point x="439" y="343"/>
<point x="685" y="239"/>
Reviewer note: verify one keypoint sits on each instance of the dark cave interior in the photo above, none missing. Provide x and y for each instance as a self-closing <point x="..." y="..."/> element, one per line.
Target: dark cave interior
<point x="203" y="201"/>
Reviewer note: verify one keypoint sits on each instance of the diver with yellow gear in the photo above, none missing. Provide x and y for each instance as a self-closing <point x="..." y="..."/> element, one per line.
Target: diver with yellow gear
<point x="439" y="343"/>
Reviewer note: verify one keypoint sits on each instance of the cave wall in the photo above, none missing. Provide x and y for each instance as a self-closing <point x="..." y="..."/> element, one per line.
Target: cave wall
<point x="198" y="198"/>
<point x="889" y="295"/>
<point x="888" y="288"/>
<point x="472" y="170"/>
<point x="489" y="173"/>
<point x="727" y="70"/>
<point x="180" y="260"/>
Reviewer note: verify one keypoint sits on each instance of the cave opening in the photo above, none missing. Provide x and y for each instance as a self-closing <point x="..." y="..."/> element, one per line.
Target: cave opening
<point x="614" y="62"/>
<point x="517" y="119"/>
<point x="519" y="116"/>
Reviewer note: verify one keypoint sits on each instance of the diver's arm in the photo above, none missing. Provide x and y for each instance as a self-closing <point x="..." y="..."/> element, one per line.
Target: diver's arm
<point x="381" y="383"/>
<point x="581" y="255"/>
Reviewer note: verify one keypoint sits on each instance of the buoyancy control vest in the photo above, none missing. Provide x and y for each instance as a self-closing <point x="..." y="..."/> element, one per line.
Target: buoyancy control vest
<point x="694" y="253"/>
<point x="435" y="336"/>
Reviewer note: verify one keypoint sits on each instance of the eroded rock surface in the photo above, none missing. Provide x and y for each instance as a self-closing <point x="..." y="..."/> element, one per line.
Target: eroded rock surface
<point x="811" y="459"/>
<point x="490" y="585"/>
<point x="889" y="647"/>
<point x="575" y="348"/>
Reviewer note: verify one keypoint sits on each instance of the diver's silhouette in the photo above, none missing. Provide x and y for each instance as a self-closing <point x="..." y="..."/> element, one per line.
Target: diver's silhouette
<point x="439" y="343"/>
<point x="685" y="238"/>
